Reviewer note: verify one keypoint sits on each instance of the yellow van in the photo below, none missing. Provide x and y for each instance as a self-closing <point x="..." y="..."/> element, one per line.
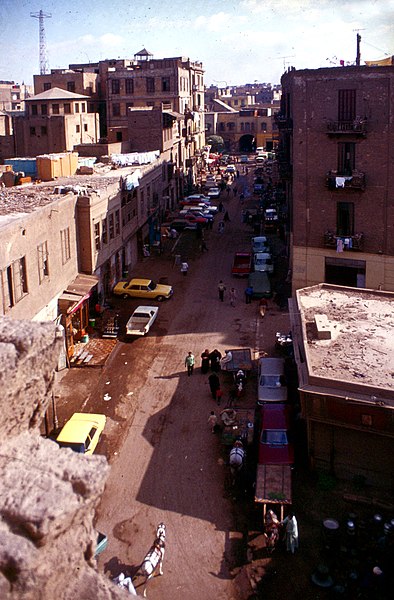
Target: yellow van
<point x="82" y="432"/>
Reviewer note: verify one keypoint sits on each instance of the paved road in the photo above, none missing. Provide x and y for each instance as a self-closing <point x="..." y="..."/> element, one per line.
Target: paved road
<point x="166" y="464"/>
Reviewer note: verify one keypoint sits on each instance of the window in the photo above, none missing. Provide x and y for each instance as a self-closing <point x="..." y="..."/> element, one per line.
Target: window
<point x="263" y="126"/>
<point x="34" y="109"/>
<point x="117" y="222"/>
<point x="129" y="86"/>
<point x="47" y="86"/>
<point x="83" y="107"/>
<point x="67" y="108"/>
<point x="235" y="102"/>
<point x="111" y="226"/>
<point x="104" y="234"/>
<point x="44" y="130"/>
<point x="76" y="107"/>
<point x="77" y="128"/>
<point x="32" y="131"/>
<point x="346" y="105"/>
<point x="16" y="285"/>
<point x="165" y="84"/>
<point x="85" y="127"/>
<point x="97" y="241"/>
<point x="55" y="109"/>
<point x="150" y="84"/>
<point x="221" y="126"/>
<point x="119" y="136"/>
<point x="345" y="218"/>
<point x="346" y="158"/>
<point x="43" y="266"/>
<point x="44" y="109"/>
<point x="115" y="86"/>
<point x="71" y="86"/>
<point x="116" y="109"/>
<point x="65" y="244"/>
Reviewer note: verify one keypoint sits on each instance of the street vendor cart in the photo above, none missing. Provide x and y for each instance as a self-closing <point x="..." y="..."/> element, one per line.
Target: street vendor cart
<point x="273" y="486"/>
<point x="237" y="424"/>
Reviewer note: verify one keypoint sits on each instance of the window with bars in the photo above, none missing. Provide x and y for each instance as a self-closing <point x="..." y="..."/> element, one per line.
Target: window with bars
<point x="97" y="240"/>
<point x="65" y="245"/>
<point x="115" y="86"/>
<point x="129" y="86"/>
<point x="346" y="105"/>
<point x="116" y="109"/>
<point x="111" y="227"/>
<point x="150" y="84"/>
<point x="165" y="84"/>
<point x="14" y="283"/>
<point x="104" y="231"/>
<point x="117" y="222"/>
<point x="43" y="263"/>
<point x="71" y="86"/>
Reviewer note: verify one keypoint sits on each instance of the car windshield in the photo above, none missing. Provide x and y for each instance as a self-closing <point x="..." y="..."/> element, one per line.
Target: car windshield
<point x="274" y="437"/>
<point x="152" y="285"/>
<point x="270" y="381"/>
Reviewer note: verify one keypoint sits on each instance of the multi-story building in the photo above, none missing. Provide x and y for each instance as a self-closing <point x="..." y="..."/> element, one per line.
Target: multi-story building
<point x="6" y="136"/>
<point x="55" y="121"/>
<point x="13" y="95"/>
<point x="65" y="243"/>
<point x="343" y="343"/>
<point x="336" y="162"/>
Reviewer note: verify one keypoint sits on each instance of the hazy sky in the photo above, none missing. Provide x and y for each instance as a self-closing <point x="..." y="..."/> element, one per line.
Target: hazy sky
<point x="238" y="41"/>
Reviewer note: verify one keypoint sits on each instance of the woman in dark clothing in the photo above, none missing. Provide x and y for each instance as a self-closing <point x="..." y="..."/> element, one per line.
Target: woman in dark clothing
<point x="214" y="384"/>
<point x="205" y="361"/>
<point x="215" y="357"/>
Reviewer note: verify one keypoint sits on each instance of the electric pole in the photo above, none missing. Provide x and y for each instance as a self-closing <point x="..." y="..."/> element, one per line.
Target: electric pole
<point x="43" y="51"/>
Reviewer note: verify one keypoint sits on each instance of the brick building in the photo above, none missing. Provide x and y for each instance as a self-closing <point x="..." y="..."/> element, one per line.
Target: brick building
<point x="336" y="162"/>
<point x="55" y="121"/>
<point x="343" y="342"/>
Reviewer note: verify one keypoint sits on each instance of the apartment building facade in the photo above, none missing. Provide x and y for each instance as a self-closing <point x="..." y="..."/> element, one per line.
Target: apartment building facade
<point x="13" y="95"/>
<point x="55" y="121"/>
<point x="336" y="163"/>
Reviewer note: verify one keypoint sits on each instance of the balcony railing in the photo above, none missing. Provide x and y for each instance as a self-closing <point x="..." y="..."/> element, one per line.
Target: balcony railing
<point x="355" y="181"/>
<point x="343" y="243"/>
<point x="356" y="127"/>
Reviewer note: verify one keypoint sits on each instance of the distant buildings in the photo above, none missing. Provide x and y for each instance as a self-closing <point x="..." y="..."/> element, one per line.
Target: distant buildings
<point x="336" y="163"/>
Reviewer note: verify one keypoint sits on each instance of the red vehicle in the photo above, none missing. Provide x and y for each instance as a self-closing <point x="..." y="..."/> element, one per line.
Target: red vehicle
<point x="274" y="444"/>
<point x="242" y="264"/>
<point x="195" y="219"/>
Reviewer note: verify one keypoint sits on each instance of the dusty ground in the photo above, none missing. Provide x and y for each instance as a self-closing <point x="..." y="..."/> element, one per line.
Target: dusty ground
<point x="167" y="465"/>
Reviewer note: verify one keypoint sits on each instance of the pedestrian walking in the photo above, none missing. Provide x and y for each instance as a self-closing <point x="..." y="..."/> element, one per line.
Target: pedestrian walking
<point x="291" y="532"/>
<point x="220" y="206"/>
<point x="189" y="363"/>
<point x="215" y="357"/>
<point x="248" y="294"/>
<point x="184" y="268"/>
<point x="213" y="421"/>
<point x="237" y="173"/>
<point x="205" y="361"/>
<point x="233" y="296"/>
<point x="221" y="290"/>
<point x="221" y="227"/>
<point x="214" y="384"/>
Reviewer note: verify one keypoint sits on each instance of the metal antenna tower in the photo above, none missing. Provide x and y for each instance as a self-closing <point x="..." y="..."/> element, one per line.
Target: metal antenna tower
<point x="43" y="50"/>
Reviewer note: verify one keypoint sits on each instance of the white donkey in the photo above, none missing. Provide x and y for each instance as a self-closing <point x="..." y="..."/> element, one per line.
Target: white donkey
<point x="153" y="560"/>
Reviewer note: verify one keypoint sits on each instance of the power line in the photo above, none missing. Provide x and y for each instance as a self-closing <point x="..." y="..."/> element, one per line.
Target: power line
<point x="43" y="51"/>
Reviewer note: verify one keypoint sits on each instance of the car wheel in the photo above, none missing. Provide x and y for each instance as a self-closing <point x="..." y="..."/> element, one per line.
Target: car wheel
<point x="160" y="298"/>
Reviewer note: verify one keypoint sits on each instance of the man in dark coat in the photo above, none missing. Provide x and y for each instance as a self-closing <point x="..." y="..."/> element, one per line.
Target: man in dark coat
<point x="214" y="384"/>
<point x="215" y="357"/>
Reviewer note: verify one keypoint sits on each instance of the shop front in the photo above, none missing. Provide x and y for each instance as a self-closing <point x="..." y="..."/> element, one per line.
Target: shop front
<point x="75" y="305"/>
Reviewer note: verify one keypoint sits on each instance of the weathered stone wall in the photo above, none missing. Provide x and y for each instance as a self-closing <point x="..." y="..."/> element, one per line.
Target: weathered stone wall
<point x="47" y="495"/>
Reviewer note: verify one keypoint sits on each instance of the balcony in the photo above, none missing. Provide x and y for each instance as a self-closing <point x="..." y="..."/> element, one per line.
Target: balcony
<point x="283" y="121"/>
<point x="357" y="127"/>
<point x="344" y="243"/>
<point x="355" y="181"/>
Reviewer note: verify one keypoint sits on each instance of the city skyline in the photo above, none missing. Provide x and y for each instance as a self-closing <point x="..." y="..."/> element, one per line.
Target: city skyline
<point x="238" y="41"/>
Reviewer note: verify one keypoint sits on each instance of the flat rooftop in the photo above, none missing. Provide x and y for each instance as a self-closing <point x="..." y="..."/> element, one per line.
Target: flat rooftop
<point x="360" y="349"/>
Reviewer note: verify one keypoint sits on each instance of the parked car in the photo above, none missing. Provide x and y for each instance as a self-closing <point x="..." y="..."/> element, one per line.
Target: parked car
<point x="260" y="244"/>
<point x="197" y="212"/>
<point x="275" y="447"/>
<point x="198" y="198"/>
<point x="263" y="262"/>
<point x="182" y="225"/>
<point x="204" y="208"/>
<point x="192" y="218"/>
<point x="261" y="285"/>
<point x="82" y="432"/>
<point x="231" y="169"/>
<point x="141" y="320"/>
<point x="214" y="192"/>
<point x="271" y="380"/>
<point x="244" y="158"/>
<point x="143" y="288"/>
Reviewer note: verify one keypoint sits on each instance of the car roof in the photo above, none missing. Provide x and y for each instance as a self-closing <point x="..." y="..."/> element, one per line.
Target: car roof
<point x="138" y="281"/>
<point x="79" y="425"/>
<point x="262" y="256"/>
<point x="271" y="366"/>
<point x="146" y="308"/>
<point x="259" y="238"/>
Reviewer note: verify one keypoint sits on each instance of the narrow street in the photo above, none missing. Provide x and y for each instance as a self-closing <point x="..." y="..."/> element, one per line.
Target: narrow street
<point x="166" y="464"/>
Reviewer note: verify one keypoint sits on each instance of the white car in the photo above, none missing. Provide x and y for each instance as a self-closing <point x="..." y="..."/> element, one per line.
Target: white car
<point x="263" y="262"/>
<point x="141" y="320"/>
<point x="260" y="244"/>
<point x="271" y="386"/>
<point x="231" y="169"/>
<point x="214" y="192"/>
